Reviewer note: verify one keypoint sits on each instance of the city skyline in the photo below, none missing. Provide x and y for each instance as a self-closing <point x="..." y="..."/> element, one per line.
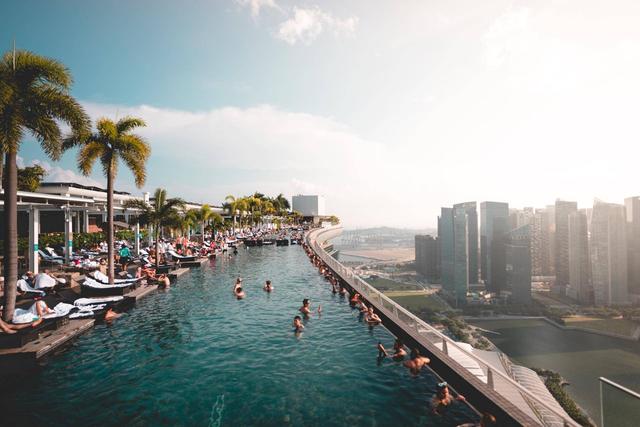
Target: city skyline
<point x="253" y="87"/>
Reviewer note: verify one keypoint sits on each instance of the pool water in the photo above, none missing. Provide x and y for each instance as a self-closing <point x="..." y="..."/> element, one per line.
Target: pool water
<point x="196" y="356"/>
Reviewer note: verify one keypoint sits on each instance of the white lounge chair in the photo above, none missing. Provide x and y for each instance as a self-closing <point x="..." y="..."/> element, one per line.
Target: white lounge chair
<point x="100" y="277"/>
<point x="183" y="258"/>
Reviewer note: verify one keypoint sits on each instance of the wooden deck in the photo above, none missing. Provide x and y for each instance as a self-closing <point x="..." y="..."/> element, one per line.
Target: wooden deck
<point x="29" y="354"/>
<point x="141" y="291"/>
<point x="174" y="274"/>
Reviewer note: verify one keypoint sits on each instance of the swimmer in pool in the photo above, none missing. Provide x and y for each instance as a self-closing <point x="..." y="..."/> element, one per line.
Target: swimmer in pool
<point x="416" y="362"/>
<point x="267" y="286"/>
<point x="297" y="324"/>
<point x="443" y="398"/>
<point x="372" y="318"/>
<point x="398" y="350"/>
<point x="239" y="292"/>
<point x="306" y="307"/>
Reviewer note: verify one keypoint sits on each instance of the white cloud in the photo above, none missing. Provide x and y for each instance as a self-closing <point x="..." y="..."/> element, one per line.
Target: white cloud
<point x="203" y="156"/>
<point x="508" y="34"/>
<point x="256" y="5"/>
<point x="59" y="174"/>
<point x="307" y="24"/>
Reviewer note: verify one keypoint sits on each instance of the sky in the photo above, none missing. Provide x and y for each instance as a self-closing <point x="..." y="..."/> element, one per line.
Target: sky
<point x="390" y="109"/>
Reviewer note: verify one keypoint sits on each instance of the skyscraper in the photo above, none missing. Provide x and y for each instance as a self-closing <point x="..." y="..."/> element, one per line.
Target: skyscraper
<point x="541" y="243"/>
<point x="609" y="253"/>
<point x="445" y="236"/>
<point x="518" y="264"/>
<point x="494" y="226"/>
<point x="632" y="205"/>
<point x="461" y="253"/>
<point x="579" y="260"/>
<point x="428" y="257"/>
<point x="472" y="239"/>
<point x="562" y="211"/>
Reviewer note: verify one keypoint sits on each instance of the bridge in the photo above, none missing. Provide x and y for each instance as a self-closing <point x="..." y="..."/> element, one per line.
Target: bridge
<point x="489" y="382"/>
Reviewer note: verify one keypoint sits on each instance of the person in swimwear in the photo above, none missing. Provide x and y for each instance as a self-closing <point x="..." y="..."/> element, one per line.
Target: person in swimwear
<point x="372" y="318"/>
<point x="416" y="362"/>
<point x="398" y="350"/>
<point x="306" y="307"/>
<point x="297" y="324"/>
<point x="111" y="315"/>
<point x="267" y="286"/>
<point x="443" y="398"/>
<point x="355" y="299"/>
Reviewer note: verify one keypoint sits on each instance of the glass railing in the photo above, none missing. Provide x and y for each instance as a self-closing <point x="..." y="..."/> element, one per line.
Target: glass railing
<point x="449" y="350"/>
<point x="619" y="406"/>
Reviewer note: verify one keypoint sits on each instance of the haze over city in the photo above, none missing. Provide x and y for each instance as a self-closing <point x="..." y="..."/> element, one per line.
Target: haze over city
<point x="389" y="109"/>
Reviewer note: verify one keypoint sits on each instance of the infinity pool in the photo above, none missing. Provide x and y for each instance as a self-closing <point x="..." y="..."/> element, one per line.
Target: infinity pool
<point x="196" y="356"/>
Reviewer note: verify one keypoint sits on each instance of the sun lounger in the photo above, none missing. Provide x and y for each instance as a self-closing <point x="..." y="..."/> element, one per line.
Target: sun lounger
<point x="50" y="259"/>
<point x="181" y="258"/>
<point x="100" y="277"/>
<point x="91" y="283"/>
<point x="24" y="286"/>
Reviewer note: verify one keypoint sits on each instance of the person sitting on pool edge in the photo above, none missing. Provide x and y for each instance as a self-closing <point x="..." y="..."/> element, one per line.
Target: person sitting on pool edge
<point x="11" y="328"/>
<point x="306" y="307"/>
<point x="297" y="324"/>
<point x="416" y="362"/>
<point x="443" y="398"/>
<point x="268" y="287"/>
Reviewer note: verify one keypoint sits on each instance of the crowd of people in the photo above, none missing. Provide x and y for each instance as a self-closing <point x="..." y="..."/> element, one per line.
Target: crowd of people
<point x="443" y="397"/>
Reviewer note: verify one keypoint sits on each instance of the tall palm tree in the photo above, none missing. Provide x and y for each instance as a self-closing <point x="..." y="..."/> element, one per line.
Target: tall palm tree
<point x="216" y="222"/>
<point x="233" y="207"/>
<point x="112" y="142"/>
<point x="34" y="99"/>
<point x="160" y="213"/>
<point x="204" y="215"/>
<point x="190" y="219"/>
<point x="282" y="202"/>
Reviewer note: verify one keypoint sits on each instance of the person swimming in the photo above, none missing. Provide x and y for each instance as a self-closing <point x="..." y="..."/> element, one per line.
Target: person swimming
<point x="416" y="362"/>
<point x="443" y="398"/>
<point x="297" y="324"/>
<point x="268" y="287"/>
<point x="111" y="315"/>
<point x="372" y="318"/>
<point x="398" y="350"/>
<point x="306" y="307"/>
<point x="237" y="289"/>
<point x="355" y="299"/>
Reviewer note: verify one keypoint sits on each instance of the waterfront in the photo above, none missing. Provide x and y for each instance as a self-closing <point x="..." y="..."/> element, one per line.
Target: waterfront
<point x="580" y="357"/>
<point x="197" y="356"/>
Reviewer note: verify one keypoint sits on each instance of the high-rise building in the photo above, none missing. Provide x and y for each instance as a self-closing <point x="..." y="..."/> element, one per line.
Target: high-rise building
<point x="428" y="257"/>
<point x="472" y="239"/>
<point x="541" y="243"/>
<point x="632" y="205"/>
<point x="609" y="253"/>
<point x="494" y="226"/>
<point x="460" y="253"/>
<point x="562" y="211"/>
<point x="455" y="230"/>
<point x="518" y="264"/>
<point x="446" y="238"/>
<point x="579" y="260"/>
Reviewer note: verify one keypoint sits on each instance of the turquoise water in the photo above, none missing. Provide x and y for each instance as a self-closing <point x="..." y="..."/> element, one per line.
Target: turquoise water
<point x="196" y="356"/>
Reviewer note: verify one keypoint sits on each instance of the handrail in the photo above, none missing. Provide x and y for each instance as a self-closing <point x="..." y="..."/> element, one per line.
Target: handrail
<point x="360" y="285"/>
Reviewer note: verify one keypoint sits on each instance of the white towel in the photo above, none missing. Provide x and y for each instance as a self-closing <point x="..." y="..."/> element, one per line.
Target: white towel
<point x="97" y="300"/>
<point x="90" y="283"/>
<point x="45" y="281"/>
<point x="24" y="286"/>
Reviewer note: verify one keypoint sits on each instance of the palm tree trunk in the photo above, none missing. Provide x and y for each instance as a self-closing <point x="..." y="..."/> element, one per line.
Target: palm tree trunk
<point x="10" y="235"/>
<point x="110" y="267"/>
<point x="157" y="236"/>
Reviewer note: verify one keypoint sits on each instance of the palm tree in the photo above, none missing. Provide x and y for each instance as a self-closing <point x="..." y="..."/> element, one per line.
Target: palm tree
<point x="162" y="212"/>
<point x="282" y="202"/>
<point x="232" y="203"/>
<point x="204" y="214"/>
<point x="216" y="221"/>
<point x="34" y="99"/>
<point x="112" y="142"/>
<point x="190" y="219"/>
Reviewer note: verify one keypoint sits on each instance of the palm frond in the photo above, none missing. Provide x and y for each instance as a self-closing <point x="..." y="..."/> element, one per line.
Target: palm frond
<point x="128" y="123"/>
<point x="87" y="156"/>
